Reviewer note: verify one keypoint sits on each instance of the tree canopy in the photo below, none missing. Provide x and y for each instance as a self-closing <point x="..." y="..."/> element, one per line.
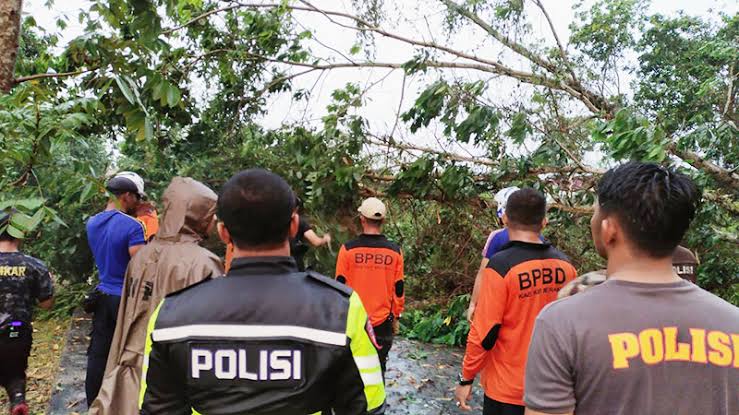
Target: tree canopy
<point x="170" y="87"/>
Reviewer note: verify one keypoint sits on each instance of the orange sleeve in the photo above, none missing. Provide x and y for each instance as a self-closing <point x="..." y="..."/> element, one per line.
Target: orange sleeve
<point x="229" y="256"/>
<point x="398" y="288"/>
<point x="342" y="266"/>
<point x="488" y="314"/>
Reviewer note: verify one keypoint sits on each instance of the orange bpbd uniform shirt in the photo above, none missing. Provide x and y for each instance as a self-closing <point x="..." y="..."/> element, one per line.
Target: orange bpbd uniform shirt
<point x="149" y="218"/>
<point x="518" y="282"/>
<point x="372" y="266"/>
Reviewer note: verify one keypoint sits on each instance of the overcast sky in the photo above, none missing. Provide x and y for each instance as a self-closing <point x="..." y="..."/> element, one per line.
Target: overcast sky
<point x="419" y="19"/>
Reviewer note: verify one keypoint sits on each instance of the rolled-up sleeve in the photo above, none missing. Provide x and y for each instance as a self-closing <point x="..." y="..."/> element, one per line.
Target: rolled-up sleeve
<point x="550" y="383"/>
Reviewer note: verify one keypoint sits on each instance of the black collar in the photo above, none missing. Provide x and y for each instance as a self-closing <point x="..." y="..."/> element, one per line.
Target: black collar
<point x="530" y="245"/>
<point x="373" y="236"/>
<point x="270" y="265"/>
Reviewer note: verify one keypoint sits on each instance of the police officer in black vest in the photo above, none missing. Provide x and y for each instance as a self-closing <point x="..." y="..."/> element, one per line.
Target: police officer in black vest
<point x="266" y="338"/>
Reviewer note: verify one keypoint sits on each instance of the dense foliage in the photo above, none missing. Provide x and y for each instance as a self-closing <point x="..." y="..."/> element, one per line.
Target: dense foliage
<point x="167" y="87"/>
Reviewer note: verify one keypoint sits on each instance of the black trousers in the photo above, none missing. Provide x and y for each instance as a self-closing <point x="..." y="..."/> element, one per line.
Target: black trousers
<point x="14" y="352"/>
<point x="493" y="407"/>
<point x="103" y="328"/>
<point x="384" y="337"/>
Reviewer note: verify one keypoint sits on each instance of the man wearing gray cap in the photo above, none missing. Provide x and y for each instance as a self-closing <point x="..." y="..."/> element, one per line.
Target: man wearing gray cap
<point x="114" y="238"/>
<point x="372" y="265"/>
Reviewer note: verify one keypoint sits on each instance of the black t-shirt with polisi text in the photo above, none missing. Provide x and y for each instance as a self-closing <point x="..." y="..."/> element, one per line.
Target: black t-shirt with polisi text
<point x="24" y="280"/>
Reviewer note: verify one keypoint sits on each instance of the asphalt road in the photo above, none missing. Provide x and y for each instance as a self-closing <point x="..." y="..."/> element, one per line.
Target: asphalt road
<point x="420" y="377"/>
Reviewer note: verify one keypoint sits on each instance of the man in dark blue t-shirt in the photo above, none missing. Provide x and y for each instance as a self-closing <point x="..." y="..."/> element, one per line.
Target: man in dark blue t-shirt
<point x="24" y="283"/>
<point x="114" y="238"/>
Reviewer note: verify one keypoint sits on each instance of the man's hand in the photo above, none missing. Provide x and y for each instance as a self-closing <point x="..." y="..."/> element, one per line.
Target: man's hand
<point x="396" y="326"/>
<point x="471" y="312"/>
<point x="327" y="239"/>
<point x="463" y="395"/>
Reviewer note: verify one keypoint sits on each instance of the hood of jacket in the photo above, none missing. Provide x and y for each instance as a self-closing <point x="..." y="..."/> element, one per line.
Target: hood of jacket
<point x="189" y="208"/>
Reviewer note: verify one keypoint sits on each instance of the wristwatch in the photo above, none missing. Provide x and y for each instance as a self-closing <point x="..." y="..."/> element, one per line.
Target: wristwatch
<point x="465" y="382"/>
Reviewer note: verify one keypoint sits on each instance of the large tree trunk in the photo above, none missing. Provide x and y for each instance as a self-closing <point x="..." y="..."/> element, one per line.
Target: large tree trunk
<point x="10" y="28"/>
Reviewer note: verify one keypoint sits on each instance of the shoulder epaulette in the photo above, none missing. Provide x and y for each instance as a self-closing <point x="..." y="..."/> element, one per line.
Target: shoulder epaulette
<point x="343" y="288"/>
<point x="173" y="293"/>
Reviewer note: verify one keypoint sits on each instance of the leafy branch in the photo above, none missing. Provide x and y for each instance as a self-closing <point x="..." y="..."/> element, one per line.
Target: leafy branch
<point x="52" y="75"/>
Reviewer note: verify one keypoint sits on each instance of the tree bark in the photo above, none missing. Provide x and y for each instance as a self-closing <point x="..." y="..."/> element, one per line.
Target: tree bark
<point x="726" y="177"/>
<point x="10" y="28"/>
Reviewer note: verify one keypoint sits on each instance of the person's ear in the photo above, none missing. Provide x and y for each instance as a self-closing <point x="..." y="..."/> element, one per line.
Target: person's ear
<point x="223" y="233"/>
<point x="126" y="202"/>
<point x="544" y="222"/>
<point x="212" y="228"/>
<point x="609" y="231"/>
<point x="133" y="201"/>
<point x="294" y="224"/>
<point x="505" y="219"/>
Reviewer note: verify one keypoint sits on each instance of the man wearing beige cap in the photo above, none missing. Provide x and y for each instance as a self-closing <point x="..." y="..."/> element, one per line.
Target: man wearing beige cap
<point x="372" y="265"/>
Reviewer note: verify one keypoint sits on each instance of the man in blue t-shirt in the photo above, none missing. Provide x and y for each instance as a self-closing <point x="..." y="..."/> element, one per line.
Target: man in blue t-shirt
<point x="114" y="238"/>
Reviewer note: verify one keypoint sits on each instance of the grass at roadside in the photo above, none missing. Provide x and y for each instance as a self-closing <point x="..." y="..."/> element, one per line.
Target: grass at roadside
<point x="48" y="341"/>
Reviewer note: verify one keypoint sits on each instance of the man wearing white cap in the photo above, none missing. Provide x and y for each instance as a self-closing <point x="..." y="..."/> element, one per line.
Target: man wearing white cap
<point x="114" y="237"/>
<point x="372" y="265"/>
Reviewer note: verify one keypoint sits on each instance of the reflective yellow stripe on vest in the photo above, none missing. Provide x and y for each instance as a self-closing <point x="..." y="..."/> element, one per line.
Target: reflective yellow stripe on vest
<point x="147" y="352"/>
<point x="365" y="354"/>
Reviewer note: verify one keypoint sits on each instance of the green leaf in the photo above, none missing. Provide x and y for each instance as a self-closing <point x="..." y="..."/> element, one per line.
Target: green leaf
<point x="173" y="95"/>
<point x="135" y="91"/>
<point x="355" y="49"/>
<point x="37" y="218"/>
<point x="21" y="221"/>
<point x="15" y="232"/>
<point x="28" y="204"/>
<point x="75" y="120"/>
<point x="55" y="216"/>
<point x="125" y="90"/>
<point x="86" y="192"/>
<point x="148" y="129"/>
<point x="520" y="128"/>
<point x="157" y="90"/>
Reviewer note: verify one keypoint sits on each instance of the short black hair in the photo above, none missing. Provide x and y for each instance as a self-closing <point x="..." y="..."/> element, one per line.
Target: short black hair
<point x="256" y="207"/>
<point x="5" y="237"/>
<point x="119" y="193"/>
<point x="526" y="208"/>
<point x="653" y="204"/>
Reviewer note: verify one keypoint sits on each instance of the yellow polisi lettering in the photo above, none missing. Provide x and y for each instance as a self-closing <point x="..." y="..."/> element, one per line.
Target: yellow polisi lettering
<point x="652" y="346"/>
<point x="624" y="346"/>
<point x="699" y="346"/>
<point x="656" y="346"/>
<point x="673" y="349"/>
<point x="721" y="353"/>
